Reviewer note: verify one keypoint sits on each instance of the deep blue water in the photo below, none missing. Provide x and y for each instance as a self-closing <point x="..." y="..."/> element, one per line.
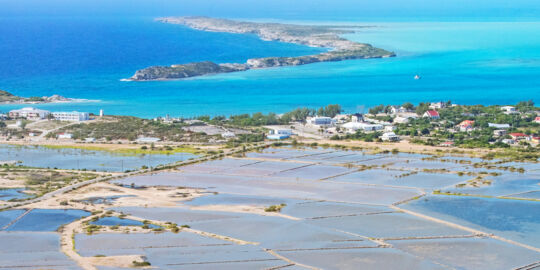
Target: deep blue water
<point x="112" y="221"/>
<point x="513" y="219"/>
<point x="12" y="193"/>
<point x="466" y="62"/>
<point x="46" y="219"/>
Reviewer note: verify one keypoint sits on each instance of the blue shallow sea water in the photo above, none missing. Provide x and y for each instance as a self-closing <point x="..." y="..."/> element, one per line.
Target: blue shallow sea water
<point x="82" y="57"/>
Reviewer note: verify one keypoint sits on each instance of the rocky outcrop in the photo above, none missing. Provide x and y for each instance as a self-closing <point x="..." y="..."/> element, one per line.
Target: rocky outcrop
<point x="8" y="98"/>
<point x="317" y="36"/>
<point x="185" y="71"/>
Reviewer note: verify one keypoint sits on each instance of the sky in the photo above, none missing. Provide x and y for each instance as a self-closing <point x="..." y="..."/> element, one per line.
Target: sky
<point x="284" y="9"/>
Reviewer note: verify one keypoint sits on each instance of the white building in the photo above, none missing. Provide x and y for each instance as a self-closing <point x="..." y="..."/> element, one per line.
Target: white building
<point x="71" y="116"/>
<point x="508" y="141"/>
<point x="389" y="128"/>
<point x="354" y="126"/>
<point x="390" y="137"/>
<point x="508" y="109"/>
<point x="279" y="133"/>
<point x="437" y="105"/>
<point x="148" y="140"/>
<point x="396" y="110"/>
<point x="357" y="117"/>
<point x="499" y="132"/>
<point x="65" y="136"/>
<point x="320" y="121"/>
<point x="227" y="135"/>
<point x="29" y="113"/>
<point x="499" y="126"/>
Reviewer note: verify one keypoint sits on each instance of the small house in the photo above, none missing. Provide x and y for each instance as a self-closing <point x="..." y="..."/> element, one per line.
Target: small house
<point x="518" y="136"/>
<point x="279" y="134"/>
<point x="390" y="137"/>
<point x="65" y="136"/>
<point x="499" y="132"/>
<point x="447" y="144"/>
<point x="320" y="121"/>
<point x="433" y="114"/>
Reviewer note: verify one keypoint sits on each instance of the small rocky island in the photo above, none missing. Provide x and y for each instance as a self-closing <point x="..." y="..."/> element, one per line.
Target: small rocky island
<point x="311" y="35"/>
<point x="9" y="98"/>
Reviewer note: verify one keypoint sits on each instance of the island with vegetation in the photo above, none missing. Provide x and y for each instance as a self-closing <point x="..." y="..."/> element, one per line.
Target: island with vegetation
<point x="9" y="98"/>
<point x="311" y="35"/>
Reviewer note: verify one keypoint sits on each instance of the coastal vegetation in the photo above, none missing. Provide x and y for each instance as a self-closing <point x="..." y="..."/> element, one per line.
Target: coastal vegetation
<point x="274" y="208"/>
<point x="130" y="151"/>
<point x="260" y="119"/>
<point x="38" y="181"/>
<point x="130" y="128"/>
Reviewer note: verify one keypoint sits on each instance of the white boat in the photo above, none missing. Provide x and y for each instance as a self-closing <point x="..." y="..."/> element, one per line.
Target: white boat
<point x="417" y="77"/>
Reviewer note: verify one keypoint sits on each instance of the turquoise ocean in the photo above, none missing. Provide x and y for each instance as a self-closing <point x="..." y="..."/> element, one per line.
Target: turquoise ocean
<point x="86" y="57"/>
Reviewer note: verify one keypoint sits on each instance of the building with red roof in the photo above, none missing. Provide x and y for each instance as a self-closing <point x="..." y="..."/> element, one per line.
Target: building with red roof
<point x="518" y="136"/>
<point x="433" y="114"/>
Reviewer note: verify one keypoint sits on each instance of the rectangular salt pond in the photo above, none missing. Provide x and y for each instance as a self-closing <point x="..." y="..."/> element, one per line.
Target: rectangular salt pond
<point x="33" y="250"/>
<point x="179" y="216"/>
<point x="391" y="178"/>
<point x="9" y="215"/>
<point x="234" y="199"/>
<point x="313" y="172"/>
<point x="517" y="220"/>
<point x="116" y="221"/>
<point x="214" y="166"/>
<point x="319" y="209"/>
<point x="353" y="259"/>
<point x="263" y="168"/>
<point x="277" y="187"/>
<point x="72" y="158"/>
<point x="7" y="194"/>
<point x="388" y="225"/>
<point x="46" y="219"/>
<point x="104" y="200"/>
<point x="281" y="234"/>
<point x="173" y="251"/>
<point x="275" y="153"/>
<point x="471" y="253"/>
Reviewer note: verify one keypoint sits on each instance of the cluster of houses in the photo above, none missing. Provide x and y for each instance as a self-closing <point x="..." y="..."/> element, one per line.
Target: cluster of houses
<point x="351" y="123"/>
<point x="31" y="113"/>
<point x="341" y="123"/>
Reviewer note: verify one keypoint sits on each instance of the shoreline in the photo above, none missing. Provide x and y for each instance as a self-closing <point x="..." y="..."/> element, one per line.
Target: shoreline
<point x="74" y="100"/>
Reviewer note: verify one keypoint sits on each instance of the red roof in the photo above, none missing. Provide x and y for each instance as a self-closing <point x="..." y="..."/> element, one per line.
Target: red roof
<point x="517" y="134"/>
<point x="432" y="113"/>
<point x="467" y="123"/>
<point x="537" y="119"/>
<point x="448" y="143"/>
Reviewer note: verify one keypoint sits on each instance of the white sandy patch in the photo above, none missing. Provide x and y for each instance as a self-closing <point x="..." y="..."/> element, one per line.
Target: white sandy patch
<point x="251" y="209"/>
